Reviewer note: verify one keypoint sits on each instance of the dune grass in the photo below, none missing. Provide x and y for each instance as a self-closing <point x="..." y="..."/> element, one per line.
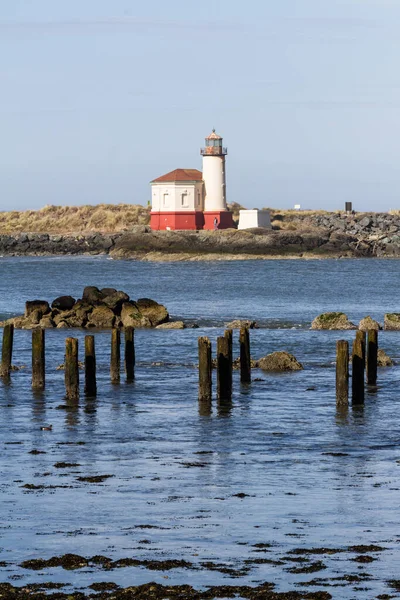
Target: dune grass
<point x="106" y="218"/>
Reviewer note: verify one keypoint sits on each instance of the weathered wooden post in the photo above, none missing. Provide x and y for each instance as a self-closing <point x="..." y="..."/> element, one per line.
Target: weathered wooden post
<point x="130" y="353"/>
<point x="224" y="369"/>
<point x="342" y="372"/>
<point x="229" y="336"/>
<point x="115" y="355"/>
<point x="71" y="372"/>
<point x="245" y="357"/>
<point x="90" y="367"/>
<point x="205" y="369"/>
<point x="38" y="358"/>
<point x="358" y="367"/>
<point x="6" y="351"/>
<point x="363" y="337"/>
<point x="372" y="356"/>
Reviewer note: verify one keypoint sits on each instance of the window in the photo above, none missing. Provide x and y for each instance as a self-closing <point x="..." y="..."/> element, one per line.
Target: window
<point x="184" y="200"/>
<point x="165" y="200"/>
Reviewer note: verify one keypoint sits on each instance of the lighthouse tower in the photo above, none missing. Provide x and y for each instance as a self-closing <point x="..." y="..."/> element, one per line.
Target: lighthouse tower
<point x="216" y="214"/>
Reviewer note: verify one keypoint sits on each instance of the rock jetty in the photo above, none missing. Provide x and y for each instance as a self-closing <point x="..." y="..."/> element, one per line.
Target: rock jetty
<point x="300" y="234"/>
<point x="97" y="309"/>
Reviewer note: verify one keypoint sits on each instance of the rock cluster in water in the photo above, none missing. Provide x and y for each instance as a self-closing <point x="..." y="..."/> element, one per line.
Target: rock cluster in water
<point x="340" y="321"/>
<point x="98" y="309"/>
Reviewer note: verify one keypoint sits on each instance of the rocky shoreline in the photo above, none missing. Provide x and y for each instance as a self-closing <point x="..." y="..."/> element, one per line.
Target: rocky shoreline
<point x="299" y="235"/>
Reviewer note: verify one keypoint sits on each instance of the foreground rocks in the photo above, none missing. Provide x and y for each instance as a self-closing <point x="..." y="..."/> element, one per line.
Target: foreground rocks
<point x="97" y="309"/>
<point x="332" y="320"/>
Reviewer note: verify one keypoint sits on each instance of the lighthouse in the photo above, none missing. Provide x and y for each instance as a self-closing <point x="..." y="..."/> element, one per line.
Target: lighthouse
<point x="191" y="199"/>
<point x="216" y="214"/>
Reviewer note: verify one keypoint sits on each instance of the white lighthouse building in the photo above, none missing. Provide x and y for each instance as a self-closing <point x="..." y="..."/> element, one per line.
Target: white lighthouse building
<point x="214" y="178"/>
<point x="191" y="199"/>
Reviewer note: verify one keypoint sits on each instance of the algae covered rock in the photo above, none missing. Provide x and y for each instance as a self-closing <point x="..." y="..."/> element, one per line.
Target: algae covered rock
<point x="172" y="325"/>
<point x="391" y="321"/>
<point x="101" y="317"/>
<point x="369" y="323"/>
<point x="36" y="306"/>
<point x="131" y="316"/>
<point x="238" y="323"/>
<point x="156" y="313"/>
<point x="383" y="359"/>
<point x="279" y="361"/>
<point x="332" y="320"/>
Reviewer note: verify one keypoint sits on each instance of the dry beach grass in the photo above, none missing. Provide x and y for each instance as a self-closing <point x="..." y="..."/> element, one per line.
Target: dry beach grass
<point x="106" y="218"/>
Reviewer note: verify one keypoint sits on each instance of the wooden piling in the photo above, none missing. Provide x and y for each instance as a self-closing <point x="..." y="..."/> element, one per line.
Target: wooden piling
<point x="71" y="369"/>
<point x="115" y="355"/>
<point x="358" y="368"/>
<point x="224" y="369"/>
<point x="90" y="367"/>
<point x="372" y="356"/>
<point x="38" y="358"/>
<point x="342" y="372"/>
<point x="130" y="353"/>
<point x="228" y="334"/>
<point x="6" y="351"/>
<point x="205" y="369"/>
<point x="362" y="336"/>
<point x="245" y="357"/>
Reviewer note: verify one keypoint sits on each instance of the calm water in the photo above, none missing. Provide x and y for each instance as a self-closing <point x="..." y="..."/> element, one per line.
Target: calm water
<point x="177" y="472"/>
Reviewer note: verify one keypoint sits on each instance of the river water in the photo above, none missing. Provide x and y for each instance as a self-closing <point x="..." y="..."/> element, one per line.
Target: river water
<point x="238" y="493"/>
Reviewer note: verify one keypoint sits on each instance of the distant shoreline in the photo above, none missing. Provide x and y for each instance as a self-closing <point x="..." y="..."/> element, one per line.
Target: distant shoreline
<point x="295" y="235"/>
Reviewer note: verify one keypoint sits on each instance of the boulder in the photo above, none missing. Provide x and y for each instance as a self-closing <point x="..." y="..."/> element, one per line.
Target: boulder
<point x="115" y="301"/>
<point x="107" y="291"/>
<point x="101" y="317"/>
<point x="82" y="308"/>
<point x="279" y="361"/>
<point x="37" y="305"/>
<point x="369" y="323"/>
<point x="391" y="321"/>
<point x="46" y="322"/>
<point x="172" y="325"/>
<point x="62" y="325"/>
<point x="132" y="317"/>
<point x="332" y="320"/>
<point x="92" y="295"/>
<point x="35" y="317"/>
<point x="63" y="303"/>
<point x="156" y="313"/>
<point x="238" y="323"/>
<point x="383" y="359"/>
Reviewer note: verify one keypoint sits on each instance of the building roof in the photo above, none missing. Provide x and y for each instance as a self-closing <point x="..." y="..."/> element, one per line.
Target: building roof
<point x="213" y="136"/>
<point x="180" y="175"/>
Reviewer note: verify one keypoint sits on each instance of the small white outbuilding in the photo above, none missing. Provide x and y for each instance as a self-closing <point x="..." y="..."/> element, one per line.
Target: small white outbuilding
<point x="254" y="218"/>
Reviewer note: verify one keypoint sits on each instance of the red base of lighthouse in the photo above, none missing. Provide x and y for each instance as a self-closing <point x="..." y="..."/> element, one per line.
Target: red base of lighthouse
<point x="224" y="219"/>
<point x="176" y="220"/>
<point x="195" y="220"/>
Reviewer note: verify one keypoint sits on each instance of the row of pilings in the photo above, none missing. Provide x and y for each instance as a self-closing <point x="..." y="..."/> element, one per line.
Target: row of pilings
<point x="364" y="363"/>
<point x="71" y="364"/>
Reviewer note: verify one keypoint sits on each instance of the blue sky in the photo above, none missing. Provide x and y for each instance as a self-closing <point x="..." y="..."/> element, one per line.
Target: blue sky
<point x="98" y="97"/>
